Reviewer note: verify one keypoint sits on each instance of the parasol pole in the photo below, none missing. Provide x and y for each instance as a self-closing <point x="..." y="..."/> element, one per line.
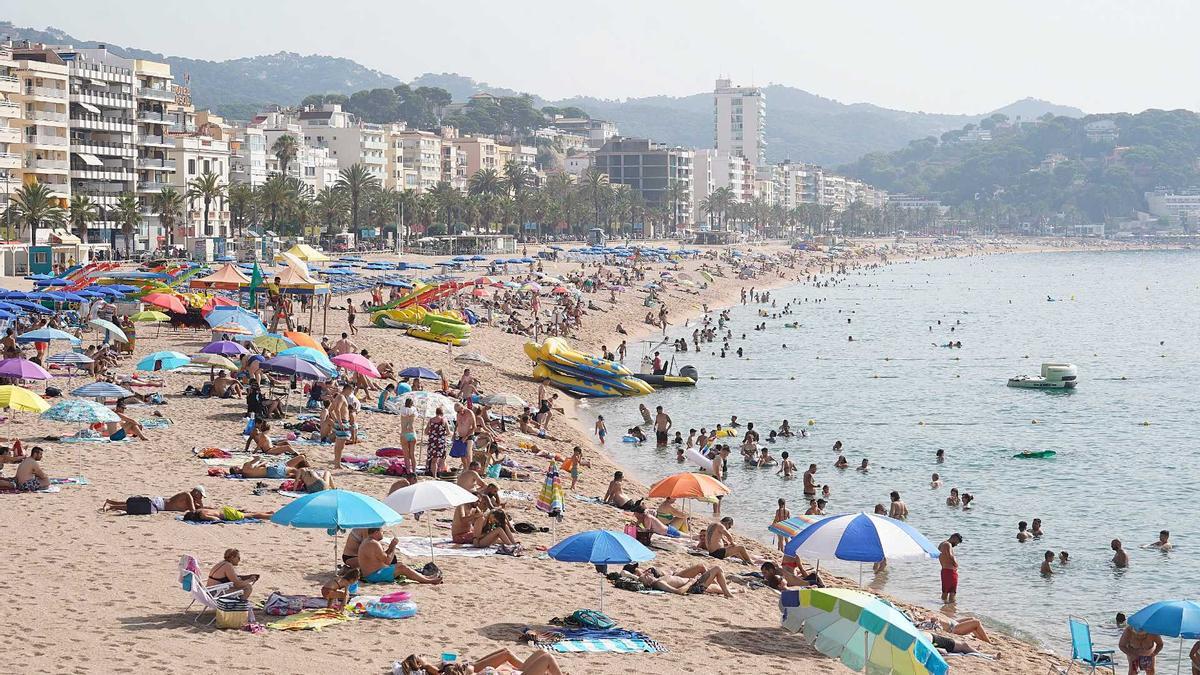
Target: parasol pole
<point x="602" y="580"/>
<point x="429" y="521"/>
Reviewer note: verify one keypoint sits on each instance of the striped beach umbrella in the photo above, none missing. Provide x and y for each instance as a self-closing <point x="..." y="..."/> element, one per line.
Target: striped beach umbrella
<point x="101" y="390"/>
<point x="80" y="411"/>
<point x="69" y="359"/>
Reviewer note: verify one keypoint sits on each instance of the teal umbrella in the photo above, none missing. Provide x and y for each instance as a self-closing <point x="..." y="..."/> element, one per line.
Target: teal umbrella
<point x="163" y="361"/>
<point x="335" y="511"/>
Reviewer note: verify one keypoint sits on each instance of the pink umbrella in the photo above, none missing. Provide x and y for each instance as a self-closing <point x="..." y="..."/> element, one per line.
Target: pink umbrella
<point x="22" y="369"/>
<point x="356" y="363"/>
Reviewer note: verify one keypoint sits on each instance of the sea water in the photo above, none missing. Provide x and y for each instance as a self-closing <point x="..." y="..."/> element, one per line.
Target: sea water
<point x="1126" y="438"/>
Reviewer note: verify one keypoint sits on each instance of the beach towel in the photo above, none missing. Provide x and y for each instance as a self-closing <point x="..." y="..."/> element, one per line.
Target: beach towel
<point x="417" y="547"/>
<point x="278" y="604"/>
<point x="155" y="422"/>
<point x="551" y="499"/>
<point x="515" y="495"/>
<point x="588" y="499"/>
<point x="243" y="521"/>
<point x="311" y="619"/>
<point x="97" y="439"/>
<point x="51" y="489"/>
<point x="236" y="460"/>
<point x="76" y="480"/>
<point x="613" y="640"/>
<point x="291" y="494"/>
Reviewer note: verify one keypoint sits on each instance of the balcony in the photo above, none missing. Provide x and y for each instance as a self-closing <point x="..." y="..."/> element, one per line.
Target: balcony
<point x="101" y="173"/>
<point x="84" y="120"/>
<point x="46" y="116"/>
<point x="102" y="191"/>
<point x="104" y="98"/>
<point x="9" y="134"/>
<point x="151" y="186"/>
<point x="103" y="147"/>
<point x="156" y="94"/>
<point x="158" y="141"/>
<point x="46" y="92"/>
<point x="99" y="71"/>
<point x="9" y="84"/>
<point x="46" y="140"/>
<point x="152" y="117"/>
<point x="155" y="164"/>
<point x="10" y="160"/>
<point x="57" y="165"/>
<point x="9" y="109"/>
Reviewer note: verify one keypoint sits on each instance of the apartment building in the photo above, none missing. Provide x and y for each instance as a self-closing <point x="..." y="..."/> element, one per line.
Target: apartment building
<point x="594" y="133"/>
<point x="159" y="108"/>
<point x="480" y="152"/>
<point x="195" y="154"/>
<point x="11" y="158"/>
<point x="348" y="140"/>
<point x="703" y="184"/>
<point x="315" y="166"/>
<point x="651" y="169"/>
<point x="43" y="95"/>
<point x="248" y="156"/>
<point x="740" y="121"/>
<point x="420" y="155"/>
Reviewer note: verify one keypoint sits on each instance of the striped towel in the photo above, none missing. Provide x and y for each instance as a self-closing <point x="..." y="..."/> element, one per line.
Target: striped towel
<point x="614" y="640"/>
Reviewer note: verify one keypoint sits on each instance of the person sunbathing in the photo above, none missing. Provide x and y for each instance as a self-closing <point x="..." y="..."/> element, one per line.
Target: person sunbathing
<point x="257" y="468"/>
<point x="226" y="572"/>
<point x="493" y="528"/>
<point x="182" y="501"/>
<point x="224" y="386"/>
<point x="696" y="579"/>
<point x="373" y="561"/>
<point x="125" y="426"/>
<point x="263" y="443"/>
<point x="226" y="514"/>
<point x="719" y="542"/>
<point x="965" y="625"/>
<point x="314" y="480"/>
<point x="538" y="663"/>
<point x="949" y="645"/>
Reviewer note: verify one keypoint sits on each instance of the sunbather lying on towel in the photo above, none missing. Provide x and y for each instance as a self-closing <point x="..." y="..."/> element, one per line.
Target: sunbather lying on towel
<point x="257" y="468"/>
<point x="538" y="663"/>
<point x="690" y="580"/>
<point x="373" y="560"/>
<point x="226" y="514"/>
<point x="182" y="501"/>
<point x="263" y="443"/>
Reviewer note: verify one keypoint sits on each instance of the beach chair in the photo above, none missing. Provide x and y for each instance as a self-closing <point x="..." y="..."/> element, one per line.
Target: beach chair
<point x="1083" y="652"/>
<point x="222" y="597"/>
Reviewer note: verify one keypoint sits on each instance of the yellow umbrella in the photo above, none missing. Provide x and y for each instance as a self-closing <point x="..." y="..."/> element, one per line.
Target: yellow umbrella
<point x="149" y="316"/>
<point x="215" y="361"/>
<point x="19" y="398"/>
<point x="272" y="343"/>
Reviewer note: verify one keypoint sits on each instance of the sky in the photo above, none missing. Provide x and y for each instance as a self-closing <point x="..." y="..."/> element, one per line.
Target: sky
<point x="919" y="55"/>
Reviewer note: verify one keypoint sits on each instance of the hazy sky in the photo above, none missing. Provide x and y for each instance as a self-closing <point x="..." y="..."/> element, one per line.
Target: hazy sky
<point x="960" y="57"/>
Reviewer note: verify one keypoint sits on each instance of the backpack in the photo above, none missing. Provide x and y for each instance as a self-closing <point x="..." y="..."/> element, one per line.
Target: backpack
<point x="139" y="506"/>
<point x="590" y="618"/>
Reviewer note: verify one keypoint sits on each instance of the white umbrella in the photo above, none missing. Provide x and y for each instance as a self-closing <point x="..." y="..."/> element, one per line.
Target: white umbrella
<point x="109" y="327"/>
<point x="429" y="495"/>
<point x="472" y="357"/>
<point x="426" y="403"/>
<point x="502" y="399"/>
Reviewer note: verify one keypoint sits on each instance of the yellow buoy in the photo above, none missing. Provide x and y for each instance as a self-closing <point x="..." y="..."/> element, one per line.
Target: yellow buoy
<point x="811" y="422"/>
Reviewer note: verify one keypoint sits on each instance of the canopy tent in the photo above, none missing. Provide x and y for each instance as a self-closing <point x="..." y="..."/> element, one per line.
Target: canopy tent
<point x="229" y="277"/>
<point x="306" y="253"/>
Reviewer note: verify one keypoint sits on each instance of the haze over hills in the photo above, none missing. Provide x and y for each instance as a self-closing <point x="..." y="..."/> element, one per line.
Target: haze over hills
<point x="800" y="125"/>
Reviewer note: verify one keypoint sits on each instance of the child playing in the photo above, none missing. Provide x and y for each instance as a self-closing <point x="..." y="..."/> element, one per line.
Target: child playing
<point x="573" y="463"/>
<point x="337" y="591"/>
<point x="601" y="430"/>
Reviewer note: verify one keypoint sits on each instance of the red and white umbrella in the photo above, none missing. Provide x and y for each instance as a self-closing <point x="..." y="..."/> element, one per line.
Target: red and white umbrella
<point x="167" y="302"/>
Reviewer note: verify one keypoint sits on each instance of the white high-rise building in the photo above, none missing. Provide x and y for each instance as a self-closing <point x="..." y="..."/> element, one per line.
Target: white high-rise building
<point x="740" y="122"/>
<point x="349" y="140"/>
<point x="10" y="129"/>
<point x="43" y="97"/>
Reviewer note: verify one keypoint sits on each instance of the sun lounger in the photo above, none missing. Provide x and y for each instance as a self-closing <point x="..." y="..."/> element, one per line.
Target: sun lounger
<point x="221" y="597"/>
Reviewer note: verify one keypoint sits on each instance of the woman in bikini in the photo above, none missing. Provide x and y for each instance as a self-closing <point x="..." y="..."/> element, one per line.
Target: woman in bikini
<point x="689" y="580"/>
<point x="494" y="528"/>
<point x="263" y="442"/>
<point x="226" y="572"/>
<point x="408" y="436"/>
<point x="257" y="468"/>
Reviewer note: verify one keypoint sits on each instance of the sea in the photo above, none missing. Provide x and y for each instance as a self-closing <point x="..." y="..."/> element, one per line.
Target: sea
<point x="1126" y="439"/>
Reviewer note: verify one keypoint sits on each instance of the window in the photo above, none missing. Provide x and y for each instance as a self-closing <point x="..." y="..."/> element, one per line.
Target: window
<point x="206" y="166"/>
<point x="191" y="166"/>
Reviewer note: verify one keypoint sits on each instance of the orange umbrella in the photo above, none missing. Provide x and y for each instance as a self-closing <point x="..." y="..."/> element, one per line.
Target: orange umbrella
<point x="302" y="339"/>
<point x="689" y="486"/>
<point x="167" y="302"/>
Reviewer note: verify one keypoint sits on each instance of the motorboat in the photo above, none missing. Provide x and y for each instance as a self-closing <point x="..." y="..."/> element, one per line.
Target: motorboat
<point x="1054" y="376"/>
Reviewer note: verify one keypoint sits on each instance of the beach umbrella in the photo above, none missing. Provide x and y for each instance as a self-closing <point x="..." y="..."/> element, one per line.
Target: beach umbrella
<point x="478" y="292"/>
<point x="149" y="316"/>
<point x="79" y="411"/>
<point x="792" y="526"/>
<point x="232" y="328"/>
<point x="1170" y="618"/>
<point x="69" y="358"/>
<point x="356" y="363"/>
<point x="109" y="327"/>
<point x="101" y="390"/>
<point x="419" y="372"/>
<point x="31" y="306"/>
<point x="165" y="360"/>
<point x="47" y="335"/>
<point x="301" y="339"/>
<point x="224" y="348"/>
<point x="168" y="302"/>
<point x="559" y="290"/>
<point x="295" y="367"/>
<point x="504" y="400"/>
<point x="472" y="357"/>
<point x="215" y="302"/>
<point x="688" y="485"/>
<point x="335" y="511"/>
<point x="861" y="537"/>
<point x="426" y="403"/>
<point x="317" y="356"/>
<point x="271" y="343"/>
<point x="600" y="547"/>
<point x="532" y="287"/>
<point x="13" y="397"/>
<point x="52" y="282"/>
<point x="862" y="631"/>
<point x="428" y="495"/>
<point x="22" y="369"/>
<point x="214" y="361"/>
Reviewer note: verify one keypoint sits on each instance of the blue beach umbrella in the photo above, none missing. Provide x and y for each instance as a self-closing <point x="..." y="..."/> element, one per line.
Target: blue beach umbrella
<point x="314" y="356"/>
<point x="335" y="511"/>
<point x="69" y="358"/>
<point x="80" y="411"/>
<point x="31" y="306"/>
<point x="296" y="367"/>
<point x="47" y="335"/>
<point x="600" y="547"/>
<point x="101" y="390"/>
<point x="1170" y="618"/>
<point x="419" y="372"/>
<point x="860" y="537"/>
<point x="165" y="360"/>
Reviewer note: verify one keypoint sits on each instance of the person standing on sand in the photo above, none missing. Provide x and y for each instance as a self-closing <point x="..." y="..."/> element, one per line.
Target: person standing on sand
<point x="782" y="513"/>
<point x="601" y="430"/>
<point x="949" y="565"/>
<point x="1120" y="557"/>
<point x="621" y="350"/>
<point x="350" y="316"/>
<point x="662" y="427"/>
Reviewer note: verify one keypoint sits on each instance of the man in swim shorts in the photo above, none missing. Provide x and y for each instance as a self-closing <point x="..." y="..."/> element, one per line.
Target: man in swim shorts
<point x="662" y="427"/>
<point x="949" y="565"/>
<point x="30" y="476"/>
<point x="1141" y="648"/>
<point x="191" y="500"/>
<point x="373" y="560"/>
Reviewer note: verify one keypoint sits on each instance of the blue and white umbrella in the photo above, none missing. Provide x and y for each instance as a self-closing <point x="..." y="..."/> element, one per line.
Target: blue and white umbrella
<point x="69" y="359"/>
<point x="861" y="537"/>
<point x="101" y="390"/>
<point x="80" y="411"/>
<point x="47" y="335"/>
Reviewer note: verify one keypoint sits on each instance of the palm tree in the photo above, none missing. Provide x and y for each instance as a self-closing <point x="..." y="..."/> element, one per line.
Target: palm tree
<point x="356" y="181"/>
<point x="168" y="204"/>
<point x="677" y="195"/>
<point x="284" y="148"/>
<point x="485" y="182"/>
<point x="275" y="197"/>
<point x="129" y="214"/>
<point x="331" y="209"/>
<point x="82" y="210"/>
<point x="445" y="199"/>
<point x="598" y="189"/>
<point x="35" y="205"/>
<point x="409" y="205"/>
<point x="241" y="203"/>
<point x="208" y="188"/>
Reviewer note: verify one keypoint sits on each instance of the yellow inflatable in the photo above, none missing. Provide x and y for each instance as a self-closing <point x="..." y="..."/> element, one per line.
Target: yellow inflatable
<point x="434" y="337"/>
<point x="582" y="374"/>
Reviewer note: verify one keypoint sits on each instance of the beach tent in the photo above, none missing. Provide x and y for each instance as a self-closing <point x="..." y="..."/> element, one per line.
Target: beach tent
<point x="304" y="252"/>
<point x="229" y="277"/>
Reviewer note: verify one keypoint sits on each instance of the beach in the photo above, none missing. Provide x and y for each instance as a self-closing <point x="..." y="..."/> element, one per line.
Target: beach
<point x="99" y="592"/>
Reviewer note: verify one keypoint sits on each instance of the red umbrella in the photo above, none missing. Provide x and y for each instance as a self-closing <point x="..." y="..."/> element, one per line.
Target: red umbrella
<point x="215" y="302"/>
<point x="479" y="292"/>
<point x="481" y="281"/>
<point x="560" y="290"/>
<point x="168" y="302"/>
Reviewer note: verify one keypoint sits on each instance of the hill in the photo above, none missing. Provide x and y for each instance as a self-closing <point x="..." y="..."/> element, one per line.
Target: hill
<point x="1056" y="169"/>
<point x="800" y="125"/>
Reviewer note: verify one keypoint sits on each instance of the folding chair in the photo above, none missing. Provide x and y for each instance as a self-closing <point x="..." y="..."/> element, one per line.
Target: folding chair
<point x="1083" y="652"/>
<point x="221" y="597"/>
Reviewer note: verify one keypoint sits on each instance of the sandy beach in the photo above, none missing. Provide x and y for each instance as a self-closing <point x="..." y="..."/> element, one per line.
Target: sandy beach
<point x="99" y="592"/>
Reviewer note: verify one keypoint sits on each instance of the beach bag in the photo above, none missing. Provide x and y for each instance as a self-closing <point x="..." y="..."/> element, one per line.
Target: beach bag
<point x="493" y="471"/>
<point x="590" y="618"/>
<point x="391" y="610"/>
<point x="139" y="506"/>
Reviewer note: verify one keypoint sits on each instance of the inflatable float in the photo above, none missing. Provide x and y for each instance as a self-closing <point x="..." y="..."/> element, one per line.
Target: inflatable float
<point x="435" y="337"/>
<point x="665" y="380"/>
<point x="582" y="374"/>
<point x="1035" y="454"/>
